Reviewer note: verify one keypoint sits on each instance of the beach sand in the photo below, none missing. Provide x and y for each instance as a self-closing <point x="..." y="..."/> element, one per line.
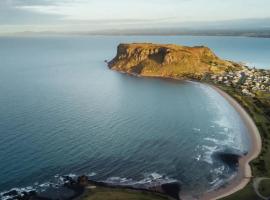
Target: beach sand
<point x="244" y="174"/>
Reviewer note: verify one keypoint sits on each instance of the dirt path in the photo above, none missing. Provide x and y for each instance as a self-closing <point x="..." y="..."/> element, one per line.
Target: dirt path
<point x="256" y="184"/>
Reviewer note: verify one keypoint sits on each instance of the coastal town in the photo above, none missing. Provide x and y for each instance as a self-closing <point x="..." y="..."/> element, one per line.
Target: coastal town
<point x="249" y="80"/>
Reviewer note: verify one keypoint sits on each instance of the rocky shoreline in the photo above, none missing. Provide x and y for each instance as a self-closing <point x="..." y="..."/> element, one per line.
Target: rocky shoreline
<point x="72" y="188"/>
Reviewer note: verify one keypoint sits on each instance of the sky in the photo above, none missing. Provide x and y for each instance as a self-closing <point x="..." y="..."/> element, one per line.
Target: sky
<point x="91" y="15"/>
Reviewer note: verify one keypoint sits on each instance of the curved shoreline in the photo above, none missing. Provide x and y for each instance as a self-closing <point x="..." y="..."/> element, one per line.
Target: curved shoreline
<point x="244" y="173"/>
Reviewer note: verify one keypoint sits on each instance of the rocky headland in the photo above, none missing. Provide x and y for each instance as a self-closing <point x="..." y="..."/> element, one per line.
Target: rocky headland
<point x="169" y="61"/>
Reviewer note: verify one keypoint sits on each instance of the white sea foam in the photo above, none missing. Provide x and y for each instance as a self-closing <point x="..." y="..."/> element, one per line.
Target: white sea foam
<point x="150" y="179"/>
<point x="72" y="175"/>
<point x="41" y="187"/>
<point x="119" y="180"/>
<point x="18" y="190"/>
<point x="198" y="157"/>
<point x="91" y="174"/>
<point x="218" y="171"/>
<point x="156" y="176"/>
<point x="59" y="181"/>
<point x="231" y="137"/>
<point x="208" y="152"/>
<point x="215" y="141"/>
<point x="47" y="184"/>
<point x="210" y="149"/>
<point x="229" y="127"/>
<point x="216" y="183"/>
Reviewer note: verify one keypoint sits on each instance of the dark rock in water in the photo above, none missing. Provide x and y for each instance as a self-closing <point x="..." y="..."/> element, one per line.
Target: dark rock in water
<point x="172" y="189"/>
<point x="20" y="196"/>
<point x="11" y="193"/>
<point x="82" y="181"/>
<point x="231" y="159"/>
<point x="27" y="195"/>
<point x="71" y="189"/>
<point x="32" y="193"/>
<point x="69" y="181"/>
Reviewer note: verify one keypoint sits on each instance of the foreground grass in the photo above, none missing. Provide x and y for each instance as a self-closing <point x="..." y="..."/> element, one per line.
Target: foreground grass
<point x="246" y="194"/>
<point x="103" y="193"/>
<point x="264" y="188"/>
<point x="259" y="110"/>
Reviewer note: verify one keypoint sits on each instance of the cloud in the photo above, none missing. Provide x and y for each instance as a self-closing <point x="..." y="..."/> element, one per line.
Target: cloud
<point x="103" y="14"/>
<point x="96" y="9"/>
<point x="12" y="14"/>
<point x="33" y="2"/>
<point x="183" y="10"/>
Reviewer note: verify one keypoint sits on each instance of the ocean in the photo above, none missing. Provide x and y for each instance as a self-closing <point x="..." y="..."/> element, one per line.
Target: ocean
<point x="62" y="111"/>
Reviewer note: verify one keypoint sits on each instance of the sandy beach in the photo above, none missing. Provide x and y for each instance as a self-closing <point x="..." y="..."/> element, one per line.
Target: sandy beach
<point x="244" y="174"/>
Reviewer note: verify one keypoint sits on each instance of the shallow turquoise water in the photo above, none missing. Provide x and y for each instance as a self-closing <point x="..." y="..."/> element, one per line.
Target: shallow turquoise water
<point x="63" y="111"/>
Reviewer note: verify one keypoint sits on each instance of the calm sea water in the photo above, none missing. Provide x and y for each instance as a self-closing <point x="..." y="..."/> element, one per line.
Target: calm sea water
<point x="63" y="111"/>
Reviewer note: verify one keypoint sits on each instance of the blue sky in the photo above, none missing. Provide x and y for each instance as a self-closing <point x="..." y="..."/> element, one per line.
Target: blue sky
<point x="88" y="15"/>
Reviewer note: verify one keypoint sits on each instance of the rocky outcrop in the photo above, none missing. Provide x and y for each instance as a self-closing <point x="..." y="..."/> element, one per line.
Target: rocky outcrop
<point x="82" y="181"/>
<point x="169" y="60"/>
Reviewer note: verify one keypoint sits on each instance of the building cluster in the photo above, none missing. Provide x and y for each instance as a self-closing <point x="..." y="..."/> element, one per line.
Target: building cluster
<point x="248" y="80"/>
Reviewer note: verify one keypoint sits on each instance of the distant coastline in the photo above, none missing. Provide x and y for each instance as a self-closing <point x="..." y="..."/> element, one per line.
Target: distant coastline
<point x="150" y="32"/>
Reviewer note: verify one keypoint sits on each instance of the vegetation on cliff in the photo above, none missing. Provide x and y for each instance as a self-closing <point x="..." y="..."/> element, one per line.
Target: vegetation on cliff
<point x="169" y="60"/>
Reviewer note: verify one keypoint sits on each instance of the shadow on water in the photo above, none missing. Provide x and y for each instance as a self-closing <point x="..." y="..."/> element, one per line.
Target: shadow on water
<point x="230" y="157"/>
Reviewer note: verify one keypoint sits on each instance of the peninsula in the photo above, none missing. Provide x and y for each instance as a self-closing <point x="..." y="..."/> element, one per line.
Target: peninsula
<point x="171" y="61"/>
<point x="248" y="91"/>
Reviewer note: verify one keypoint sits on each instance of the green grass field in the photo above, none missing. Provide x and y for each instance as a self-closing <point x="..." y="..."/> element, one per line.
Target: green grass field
<point x="103" y="193"/>
<point x="264" y="188"/>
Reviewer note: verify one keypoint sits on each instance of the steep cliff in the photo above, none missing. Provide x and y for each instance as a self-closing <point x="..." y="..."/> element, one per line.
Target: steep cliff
<point x="169" y="60"/>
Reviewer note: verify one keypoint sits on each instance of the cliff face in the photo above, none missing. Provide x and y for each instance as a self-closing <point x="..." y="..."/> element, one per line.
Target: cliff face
<point x="148" y="59"/>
